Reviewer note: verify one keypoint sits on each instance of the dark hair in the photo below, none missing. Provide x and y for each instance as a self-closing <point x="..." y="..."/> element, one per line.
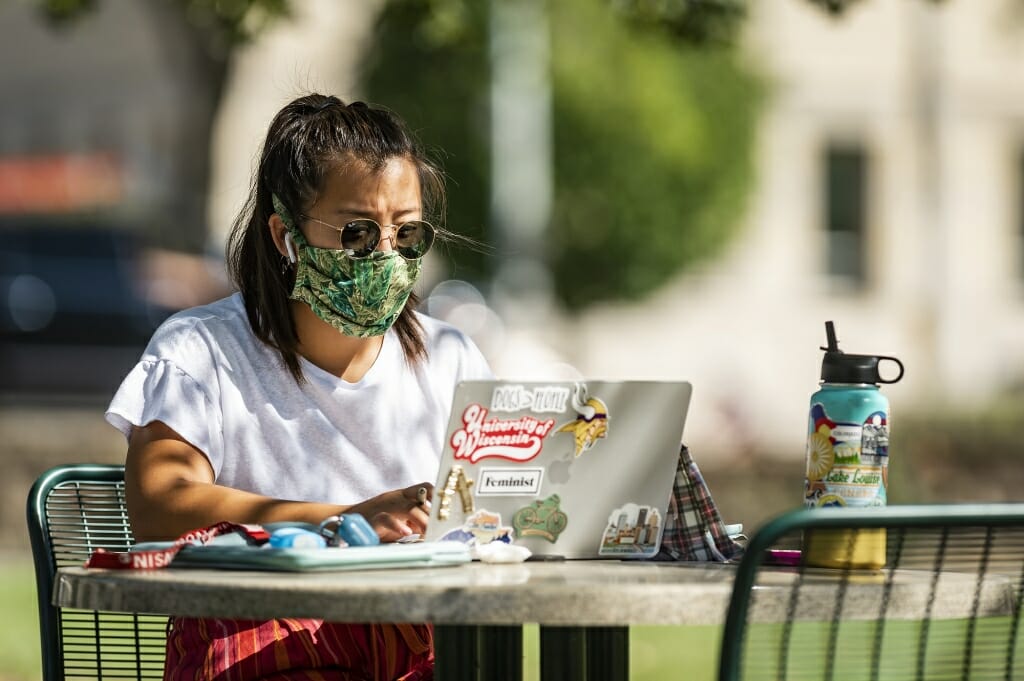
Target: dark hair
<point x="304" y="140"/>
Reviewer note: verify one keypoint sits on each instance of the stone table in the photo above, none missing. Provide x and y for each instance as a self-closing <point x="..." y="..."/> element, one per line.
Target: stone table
<point x="584" y="608"/>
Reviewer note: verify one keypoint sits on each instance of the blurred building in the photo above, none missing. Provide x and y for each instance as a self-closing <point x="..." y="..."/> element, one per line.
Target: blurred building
<point x="890" y="199"/>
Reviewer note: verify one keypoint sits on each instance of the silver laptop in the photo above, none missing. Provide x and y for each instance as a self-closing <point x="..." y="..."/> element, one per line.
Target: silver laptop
<point x="572" y="469"/>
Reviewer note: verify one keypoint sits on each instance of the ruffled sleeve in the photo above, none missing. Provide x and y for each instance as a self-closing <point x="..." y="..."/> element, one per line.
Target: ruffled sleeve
<point x="158" y="390"/>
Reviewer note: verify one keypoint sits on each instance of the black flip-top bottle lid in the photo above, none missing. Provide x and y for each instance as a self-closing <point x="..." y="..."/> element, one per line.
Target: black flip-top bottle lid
<point x="839" y="367"/>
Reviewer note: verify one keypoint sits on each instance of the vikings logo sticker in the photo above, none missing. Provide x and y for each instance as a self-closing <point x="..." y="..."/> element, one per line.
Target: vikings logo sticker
<point x="591" y="422"/>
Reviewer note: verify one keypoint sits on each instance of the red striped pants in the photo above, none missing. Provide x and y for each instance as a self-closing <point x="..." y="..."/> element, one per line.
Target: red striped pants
<point x="297" y="650"/>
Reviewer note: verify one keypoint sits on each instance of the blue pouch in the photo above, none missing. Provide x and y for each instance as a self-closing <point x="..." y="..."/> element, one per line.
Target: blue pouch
<point x="350" y="528"/>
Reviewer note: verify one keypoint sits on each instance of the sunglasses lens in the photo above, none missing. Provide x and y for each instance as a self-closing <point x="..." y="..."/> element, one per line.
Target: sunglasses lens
<point x="414" y="239"/>
<point x="360" y="237"/>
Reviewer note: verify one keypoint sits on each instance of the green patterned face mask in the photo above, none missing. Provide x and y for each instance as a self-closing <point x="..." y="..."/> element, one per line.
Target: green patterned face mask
<point x="358" y="297"/>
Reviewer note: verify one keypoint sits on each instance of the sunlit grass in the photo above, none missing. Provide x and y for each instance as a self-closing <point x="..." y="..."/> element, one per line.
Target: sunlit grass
<point x="674" y="653"/>
<point x="655" y="653"/>
<point x="933" y="649"/>
<point x="19" y="622"/>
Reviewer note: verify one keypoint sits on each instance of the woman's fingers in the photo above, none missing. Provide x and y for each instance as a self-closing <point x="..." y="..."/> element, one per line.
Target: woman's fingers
<point x="419" y="518"/>
<point x="399" y="513"/>
<point x="421" y="493"/>
<point x="391" y="527"/>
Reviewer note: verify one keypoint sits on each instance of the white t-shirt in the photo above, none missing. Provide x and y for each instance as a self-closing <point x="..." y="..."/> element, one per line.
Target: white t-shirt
<point x="207" y="376"/>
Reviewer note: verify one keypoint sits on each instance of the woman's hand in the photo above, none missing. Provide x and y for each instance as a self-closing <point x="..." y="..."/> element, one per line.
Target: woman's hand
<point x="398" y="513"/>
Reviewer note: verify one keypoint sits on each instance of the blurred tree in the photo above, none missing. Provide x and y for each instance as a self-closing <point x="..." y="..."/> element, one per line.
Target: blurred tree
<point x="694" y="21"/>
<point x="653" y="153"/>
<point x="702" y="21"/>
<point x="652" y="137"/>
<point x="430" y="62"/>
<point x="220" y="25"/>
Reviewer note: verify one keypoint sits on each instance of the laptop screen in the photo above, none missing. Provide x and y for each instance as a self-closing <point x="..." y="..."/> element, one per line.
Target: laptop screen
<point x="572" y="469"/>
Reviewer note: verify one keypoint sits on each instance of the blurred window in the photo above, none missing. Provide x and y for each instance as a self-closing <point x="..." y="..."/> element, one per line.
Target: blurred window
<point x="845" y="207"/>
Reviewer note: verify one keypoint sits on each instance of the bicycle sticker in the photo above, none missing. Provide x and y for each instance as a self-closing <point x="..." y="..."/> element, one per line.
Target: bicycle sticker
<point x="541" y="519"/>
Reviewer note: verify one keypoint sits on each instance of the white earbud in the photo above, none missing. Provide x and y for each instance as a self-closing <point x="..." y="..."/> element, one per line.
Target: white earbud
<point x="290" y="247"/>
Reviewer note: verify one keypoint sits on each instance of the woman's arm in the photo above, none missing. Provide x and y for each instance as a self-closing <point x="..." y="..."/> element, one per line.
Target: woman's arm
<point x="169" y="489"/>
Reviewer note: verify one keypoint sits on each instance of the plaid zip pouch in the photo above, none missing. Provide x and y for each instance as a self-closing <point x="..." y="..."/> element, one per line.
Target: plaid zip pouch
<point x="694" y="530"/>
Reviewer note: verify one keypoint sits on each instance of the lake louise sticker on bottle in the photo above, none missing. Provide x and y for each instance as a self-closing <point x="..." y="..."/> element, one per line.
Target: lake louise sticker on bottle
<point x="847" y="463"/>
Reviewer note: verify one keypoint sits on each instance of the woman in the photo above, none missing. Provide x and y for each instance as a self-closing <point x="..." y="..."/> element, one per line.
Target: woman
<point x="314" y="390"/>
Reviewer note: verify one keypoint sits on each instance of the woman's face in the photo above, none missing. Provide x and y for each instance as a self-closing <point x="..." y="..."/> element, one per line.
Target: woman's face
<point x="352" y="190"/>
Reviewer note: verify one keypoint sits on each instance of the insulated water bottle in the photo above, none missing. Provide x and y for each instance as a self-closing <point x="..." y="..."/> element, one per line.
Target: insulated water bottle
<point x="848" y="453"/>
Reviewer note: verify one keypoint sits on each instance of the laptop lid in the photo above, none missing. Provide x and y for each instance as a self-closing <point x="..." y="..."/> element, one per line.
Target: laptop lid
<point x="574" y="469"/>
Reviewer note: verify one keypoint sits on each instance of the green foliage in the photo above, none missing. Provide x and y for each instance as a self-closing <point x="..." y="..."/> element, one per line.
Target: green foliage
<point x="652" y="137"/>
<point x="235" y="21"/>
<point x="693" y="21"/>
<point x="60" y="12"/>
<point x="225" y="22"/>
<point x="707" y="21"/>
<point x="653" y="153"/>
<point x="429" y="63"/>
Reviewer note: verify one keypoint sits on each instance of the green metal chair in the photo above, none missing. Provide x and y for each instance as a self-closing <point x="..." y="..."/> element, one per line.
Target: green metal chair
<point x="961" y="622"/>
<point x="72" y="511"/>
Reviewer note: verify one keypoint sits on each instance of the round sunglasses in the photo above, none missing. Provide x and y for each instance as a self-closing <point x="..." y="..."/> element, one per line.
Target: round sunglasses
<point x="359" y="238"/>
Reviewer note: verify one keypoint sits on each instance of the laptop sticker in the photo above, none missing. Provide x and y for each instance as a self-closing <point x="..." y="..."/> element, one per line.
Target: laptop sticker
<point x="456" y="482"/>
<point x="509" y="482"/>
<point x="517" y="439"/>
<point x="632" y="530"/>
<point x="591" y="422"/>
<point x="482" y="527"/>
<point x="541" y="519"/>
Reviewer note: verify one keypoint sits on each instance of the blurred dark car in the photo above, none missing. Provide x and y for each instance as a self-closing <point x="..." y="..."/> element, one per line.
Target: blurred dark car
<point x="73" y="317"/>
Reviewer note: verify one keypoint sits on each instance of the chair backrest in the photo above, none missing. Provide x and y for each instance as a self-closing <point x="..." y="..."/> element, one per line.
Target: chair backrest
<point x="961" y="619"/>
<point x="72" y="511"/>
